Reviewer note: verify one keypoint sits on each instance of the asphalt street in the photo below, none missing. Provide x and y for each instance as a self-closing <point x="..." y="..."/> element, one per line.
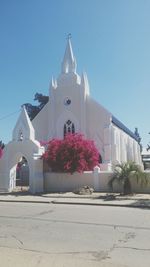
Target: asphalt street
<point x="73" y="235"/>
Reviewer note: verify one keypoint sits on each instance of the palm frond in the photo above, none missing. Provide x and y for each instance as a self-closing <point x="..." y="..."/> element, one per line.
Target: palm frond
<point x="126" y="171"/>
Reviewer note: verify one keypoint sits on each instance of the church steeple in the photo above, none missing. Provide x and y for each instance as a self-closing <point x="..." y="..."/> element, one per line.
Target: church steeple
<point x="69" y="61"/>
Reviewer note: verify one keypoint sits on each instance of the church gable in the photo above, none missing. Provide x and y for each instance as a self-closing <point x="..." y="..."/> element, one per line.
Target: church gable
<point x="23" y="129"/>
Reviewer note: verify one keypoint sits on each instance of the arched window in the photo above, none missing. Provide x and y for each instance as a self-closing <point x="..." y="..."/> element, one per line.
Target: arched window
<point x="69" y="127"/>
<point x="20" y="136"/>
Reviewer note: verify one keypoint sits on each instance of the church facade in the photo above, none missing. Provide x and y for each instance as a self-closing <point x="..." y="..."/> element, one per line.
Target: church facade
<point x="72" y="109"/>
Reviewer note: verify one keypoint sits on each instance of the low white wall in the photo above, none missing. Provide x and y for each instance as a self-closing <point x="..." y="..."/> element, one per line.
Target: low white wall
<point x="63" y="182"/>
<point x="103" y="178"/>
<point x="141" y="186"/>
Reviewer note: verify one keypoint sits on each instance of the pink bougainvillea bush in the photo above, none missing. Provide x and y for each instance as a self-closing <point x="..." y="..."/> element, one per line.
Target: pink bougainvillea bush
<point x="1" y="152"/>
<point x="72" y="154"/>
<point x="1" y="148"/>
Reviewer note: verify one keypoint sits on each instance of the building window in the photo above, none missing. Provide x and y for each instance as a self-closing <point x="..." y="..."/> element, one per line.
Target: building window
<point x="69" y="127"/>
<point x="67" y="101"/>
<point x="20" y="136"/>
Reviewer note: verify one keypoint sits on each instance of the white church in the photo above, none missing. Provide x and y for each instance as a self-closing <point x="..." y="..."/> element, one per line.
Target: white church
<point x="70" y="109"/>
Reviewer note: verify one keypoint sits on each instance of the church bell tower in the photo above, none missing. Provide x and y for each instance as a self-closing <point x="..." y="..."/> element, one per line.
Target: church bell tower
<point x="68" y="97"/>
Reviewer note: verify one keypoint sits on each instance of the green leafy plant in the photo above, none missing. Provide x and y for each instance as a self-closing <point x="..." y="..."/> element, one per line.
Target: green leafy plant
<point x="124" y="173"/>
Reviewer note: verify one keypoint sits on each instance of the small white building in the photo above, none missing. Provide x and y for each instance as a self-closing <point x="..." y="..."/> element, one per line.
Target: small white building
<point x="70" y="109"/>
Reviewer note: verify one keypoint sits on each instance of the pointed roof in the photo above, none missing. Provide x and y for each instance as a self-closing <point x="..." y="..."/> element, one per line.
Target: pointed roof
<point x="24" y="127"/>
<point x="52" y="83"/>
<point x="69" y="61"/>
<point x="85" y="83"/>
<point x="52" y="86"/>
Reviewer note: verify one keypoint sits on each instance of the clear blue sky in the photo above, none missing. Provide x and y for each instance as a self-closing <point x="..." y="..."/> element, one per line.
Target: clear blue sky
<point x="111" y="42"/>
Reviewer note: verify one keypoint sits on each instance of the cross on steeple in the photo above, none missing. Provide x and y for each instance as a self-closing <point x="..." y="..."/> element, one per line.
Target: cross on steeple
<point x="69" y="61"/>
<point x="69" y="36"/>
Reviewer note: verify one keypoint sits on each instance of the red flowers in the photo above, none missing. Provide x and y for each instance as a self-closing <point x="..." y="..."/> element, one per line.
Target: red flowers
<point x="1" y="152"/>
<point x="73" y="154"/>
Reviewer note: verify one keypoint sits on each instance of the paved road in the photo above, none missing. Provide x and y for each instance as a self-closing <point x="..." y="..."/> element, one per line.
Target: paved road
<point x="73" y="236"/>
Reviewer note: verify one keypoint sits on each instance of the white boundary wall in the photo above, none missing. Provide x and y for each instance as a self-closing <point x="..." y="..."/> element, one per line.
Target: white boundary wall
<point x="63" y="182"/>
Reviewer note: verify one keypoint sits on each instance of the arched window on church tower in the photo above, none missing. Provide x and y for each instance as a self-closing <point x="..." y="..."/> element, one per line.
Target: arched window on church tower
<point x="69" y="127"/>
<point x="20" y="136"/>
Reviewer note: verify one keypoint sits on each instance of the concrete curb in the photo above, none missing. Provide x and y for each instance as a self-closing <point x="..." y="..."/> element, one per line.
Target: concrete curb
<point x="101" y="204"/>
<point x="142" y="206"/>
<point x="25" y="201"/>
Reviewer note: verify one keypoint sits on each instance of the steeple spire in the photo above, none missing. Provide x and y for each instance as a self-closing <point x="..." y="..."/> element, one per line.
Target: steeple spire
<point x="85" y="83"/>
<point x="69" y="61"/>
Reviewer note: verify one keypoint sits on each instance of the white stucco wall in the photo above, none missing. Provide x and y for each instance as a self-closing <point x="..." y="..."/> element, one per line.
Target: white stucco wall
<point x="124" y="147"/>
<point x="98" y="127"/>
<point x="40" y="124"/>
<point x="61" y="182"/>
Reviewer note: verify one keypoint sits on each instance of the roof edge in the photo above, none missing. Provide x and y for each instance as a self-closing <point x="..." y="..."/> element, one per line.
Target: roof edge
<point x="120" y="125"/>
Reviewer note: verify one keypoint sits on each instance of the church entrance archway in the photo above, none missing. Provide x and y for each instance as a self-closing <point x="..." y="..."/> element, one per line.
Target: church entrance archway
<point x="22" y="174"/>
<point x="23" y="145"/>
<point x="19" y="173"/>
<point x="28" y="154"/>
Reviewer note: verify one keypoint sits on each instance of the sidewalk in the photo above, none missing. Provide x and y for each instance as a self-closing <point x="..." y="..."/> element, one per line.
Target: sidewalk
<point x="95" y="199"/>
